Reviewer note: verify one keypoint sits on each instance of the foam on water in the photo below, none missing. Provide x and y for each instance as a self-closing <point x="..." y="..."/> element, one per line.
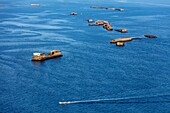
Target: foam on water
<point x="123" y="100"/>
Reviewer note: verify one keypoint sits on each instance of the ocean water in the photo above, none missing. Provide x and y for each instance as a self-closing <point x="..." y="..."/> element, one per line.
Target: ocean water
<point x="99" y="76"/>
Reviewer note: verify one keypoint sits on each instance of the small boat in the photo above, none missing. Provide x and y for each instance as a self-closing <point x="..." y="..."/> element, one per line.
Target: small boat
<point x="42" y="56"/>
<point x="64" y="102"/>
<point x="122" y="30"/>
<point x="73" y="13"/>
<point x="150" y="36"/>
<point x="35" y="4"/>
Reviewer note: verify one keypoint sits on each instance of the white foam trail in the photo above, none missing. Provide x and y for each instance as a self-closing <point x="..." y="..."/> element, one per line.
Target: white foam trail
<point x="112" y="99"/>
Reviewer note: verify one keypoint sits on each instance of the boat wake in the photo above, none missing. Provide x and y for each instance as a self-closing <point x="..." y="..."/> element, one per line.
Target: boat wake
<point x="125" y="100"/>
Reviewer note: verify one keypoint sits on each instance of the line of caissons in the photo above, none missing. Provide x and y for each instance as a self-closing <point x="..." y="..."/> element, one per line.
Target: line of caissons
<point x="106" y="25"/>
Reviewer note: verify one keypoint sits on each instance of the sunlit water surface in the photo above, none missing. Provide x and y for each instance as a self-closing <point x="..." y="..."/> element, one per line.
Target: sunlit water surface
<point x="136" y="75"/>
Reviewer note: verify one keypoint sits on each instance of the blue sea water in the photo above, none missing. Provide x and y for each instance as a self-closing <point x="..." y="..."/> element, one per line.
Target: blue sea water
<point x="131" y="79"/>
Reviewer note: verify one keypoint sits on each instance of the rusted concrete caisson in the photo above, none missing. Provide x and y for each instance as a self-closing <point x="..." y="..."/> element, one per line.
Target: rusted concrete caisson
<point x="119" y="9"/>
<point x="121" y="41"/>
<point x="42" y="56"/>
<point x="90" y="20"/>
<point x="120" y="44"/>
<point x="35" y="4"/>
<point x="99" y="23"/>
<point x="73" y="13"/>
<point x="150" y="36"/>
<point x="110" y="8"/>
<point x="122" y="30"/>
<point x="99" y="7"/>
<point x="106" y="25"/>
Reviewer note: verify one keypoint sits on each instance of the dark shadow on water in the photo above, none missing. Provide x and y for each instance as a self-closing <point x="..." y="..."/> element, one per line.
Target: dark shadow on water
<point x="56" y="59"/>
<point x="38" y="62"/>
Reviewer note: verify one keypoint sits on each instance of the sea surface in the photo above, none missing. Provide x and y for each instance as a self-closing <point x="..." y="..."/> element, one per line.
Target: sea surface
<point x="99" y="76"/>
